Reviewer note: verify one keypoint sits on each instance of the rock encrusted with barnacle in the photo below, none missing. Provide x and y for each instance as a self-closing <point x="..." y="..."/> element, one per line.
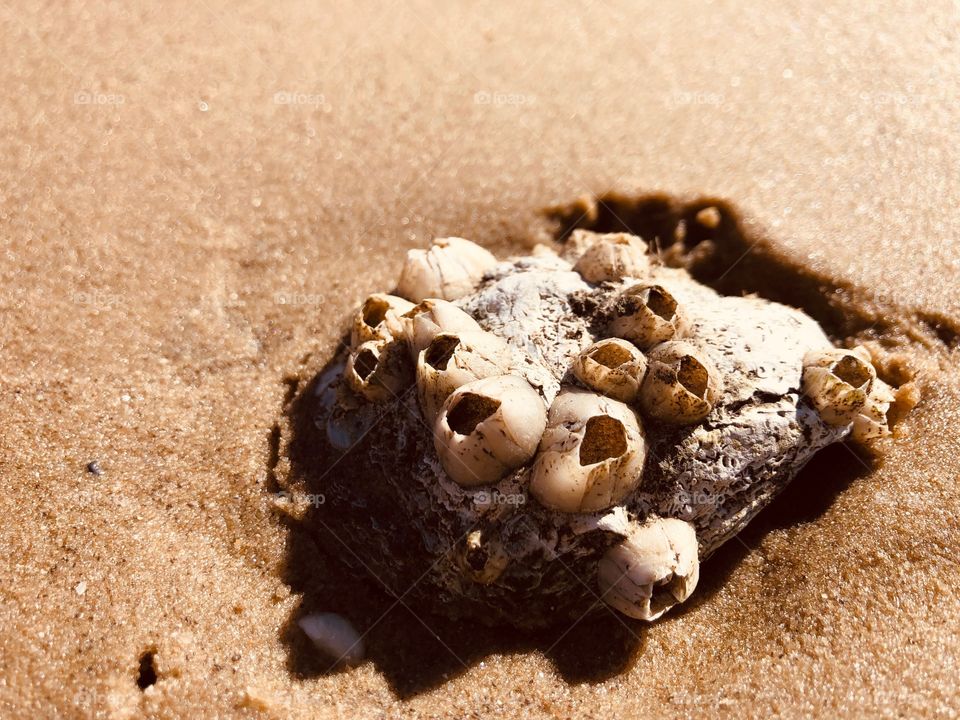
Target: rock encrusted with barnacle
<point x="529" y="438"/>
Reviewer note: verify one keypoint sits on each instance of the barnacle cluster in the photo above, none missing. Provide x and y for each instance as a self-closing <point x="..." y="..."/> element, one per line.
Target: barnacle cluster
<point x="636" y="418"/>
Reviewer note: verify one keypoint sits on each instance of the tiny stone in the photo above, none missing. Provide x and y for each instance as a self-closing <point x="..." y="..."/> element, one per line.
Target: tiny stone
<point x="93" y="467"/>
<point x="257" y="699"/>
<point x="81" y="588"/>
<point x="709" y="217"/>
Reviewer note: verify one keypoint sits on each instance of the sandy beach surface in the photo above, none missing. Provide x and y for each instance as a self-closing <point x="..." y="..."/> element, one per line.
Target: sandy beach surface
<point x="193" y="197"/>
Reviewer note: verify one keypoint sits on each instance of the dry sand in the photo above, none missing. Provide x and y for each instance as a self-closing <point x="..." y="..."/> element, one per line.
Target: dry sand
<point x="175" y="265"/>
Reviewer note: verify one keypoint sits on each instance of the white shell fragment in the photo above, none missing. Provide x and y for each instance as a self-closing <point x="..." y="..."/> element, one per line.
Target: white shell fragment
<point x="681" y="386"/>
<point x="487" y="428"/>
<point x="838" y="381"/>
<point x="379" y="318"/>
<point x="455" y="359"/>
<point x="423" y="322"/>
<point x="612" y="367"/>
<point x="335" y="637"/>
<point x="646" y="315"/>
<point x="591" y="455"/>
<point x="610" y="426"/>
<point x="613" y="256"/>
<point x="450" y="269"/>
<point x="653" y="569"/>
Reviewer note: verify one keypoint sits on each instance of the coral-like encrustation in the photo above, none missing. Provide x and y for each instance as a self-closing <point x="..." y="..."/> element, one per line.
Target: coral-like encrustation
<point x="726" y="399"/>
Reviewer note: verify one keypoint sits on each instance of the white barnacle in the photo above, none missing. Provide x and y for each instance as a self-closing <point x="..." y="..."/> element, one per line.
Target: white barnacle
<point x="379" y="318"/>
<point x="681" y="386"/>
<point x="612" y="367"/>
<point x="451" y="268"/>
<point x="455" y="359"/>
<point x="424" y="321"/>
<point x="613" y="256"/>
<point x="647" y="315"/>
<point x="378" y="370"/>
<point x="838" y="383"/>
<point x="654" y="568"/>
<point x="591" y="455"/>
<point x="487" y="428"/>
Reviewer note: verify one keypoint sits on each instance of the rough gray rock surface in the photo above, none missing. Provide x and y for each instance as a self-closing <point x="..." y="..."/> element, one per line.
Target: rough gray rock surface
<point x="408" y="523"/>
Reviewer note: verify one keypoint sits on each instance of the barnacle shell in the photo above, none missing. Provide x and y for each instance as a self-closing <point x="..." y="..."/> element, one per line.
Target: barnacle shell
<point x="482" y="558"/>
<point x="647" y="314"/>
<point x="612" y="256"/>
<point x="455" y="359"/>
<point x="591" y="455"/>
<point x="423" y="322"/>
<point x="612" y="367"/>
<point x="871" y="422"/>
<point x="487" y="428"/>
<point x="682" y="384"/>
<point x="450" y="269"/>
<point x="379" y="318"/>
<point x="655" y="567"/>
<point x="378" y="370"/>
<point x="838" y="382"/>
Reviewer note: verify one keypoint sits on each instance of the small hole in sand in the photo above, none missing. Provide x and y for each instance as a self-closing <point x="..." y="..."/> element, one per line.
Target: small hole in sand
<point x="471" y="410"/>
<point x="147" y="672"/>
<point x="365" y="363"/>
<point x="661" y="303"/>
<point x="440" y="350"/>
<point x="604" y="438"/>
<point x="374" y="311"/>
<point x="611" y="355"/>
<point x="693" y="376"/>
<point x="852" y="371"/>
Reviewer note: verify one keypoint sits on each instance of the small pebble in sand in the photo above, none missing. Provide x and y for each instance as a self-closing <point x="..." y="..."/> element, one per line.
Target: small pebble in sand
<point x="93" y="467"/>
<point x="709" y="217"/>
<point x="335" y="636"/>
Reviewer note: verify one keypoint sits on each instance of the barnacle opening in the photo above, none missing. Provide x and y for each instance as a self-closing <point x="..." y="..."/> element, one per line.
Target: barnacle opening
<point x="469" y="411"/>
<point x="477" y="554"/>
<point x="661" y="303"/>
<point x="611" y="355"/>
<point x="365" y="363"/>
<point x="666" y="594"/>
<point x="374" y="311"/>
<point x="604" y="438"/>
<point x="693" y="376"/>
<point x="440" y="350"/>
<point x="852" y="370"/>
<point x="476" y="558"/>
